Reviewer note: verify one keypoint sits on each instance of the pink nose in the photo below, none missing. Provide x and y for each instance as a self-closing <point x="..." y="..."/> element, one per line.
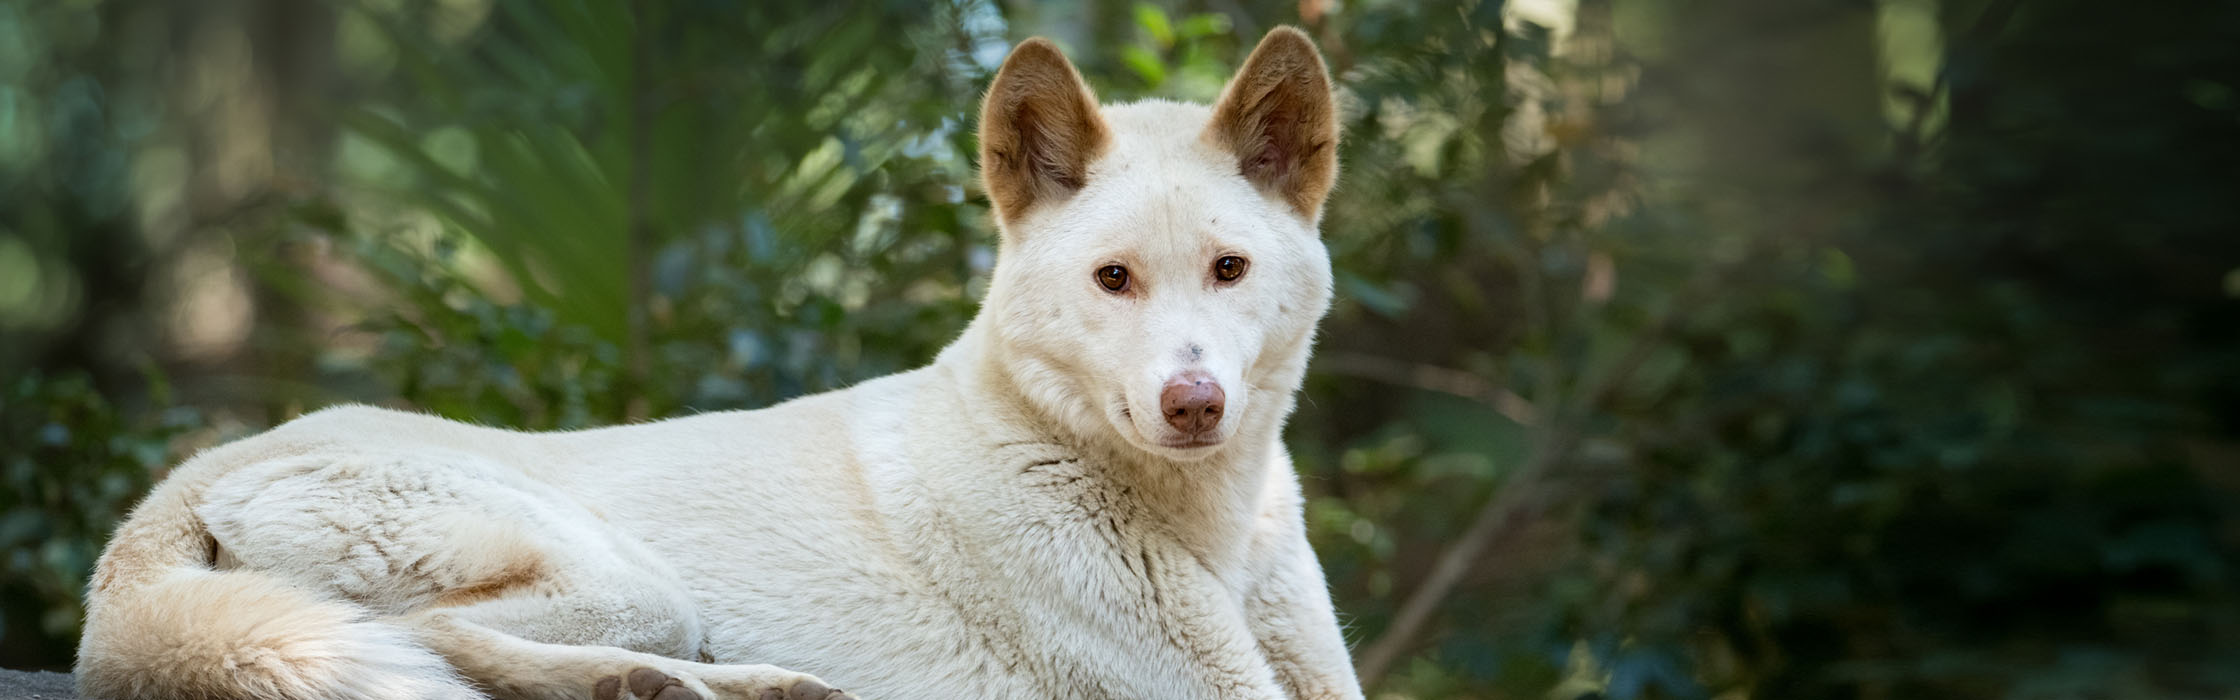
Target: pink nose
<point x="1192" y="402"/>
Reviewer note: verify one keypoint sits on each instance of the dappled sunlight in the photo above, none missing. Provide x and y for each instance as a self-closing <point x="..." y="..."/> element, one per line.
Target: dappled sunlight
<point x="208" y="311"/>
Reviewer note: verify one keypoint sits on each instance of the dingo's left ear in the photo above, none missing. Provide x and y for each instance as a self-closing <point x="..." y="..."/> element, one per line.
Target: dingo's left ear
<point x="1039" y="130"/>
<point x="1278" y="116"/>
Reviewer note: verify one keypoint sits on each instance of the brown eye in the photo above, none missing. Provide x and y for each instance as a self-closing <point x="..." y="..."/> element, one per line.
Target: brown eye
<point x="1228" y="268"/>
<point x="1113" y="277"/>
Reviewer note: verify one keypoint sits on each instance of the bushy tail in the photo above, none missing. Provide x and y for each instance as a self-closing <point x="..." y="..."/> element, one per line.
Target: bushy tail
<point x="160" y="623"/>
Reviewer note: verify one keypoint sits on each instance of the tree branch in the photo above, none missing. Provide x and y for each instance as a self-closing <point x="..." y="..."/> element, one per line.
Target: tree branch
<point x="1378" y="655"/>
<point x="639" y="236"/>
<point x="1559" y="433"/>
<point x="1433" y="378"/>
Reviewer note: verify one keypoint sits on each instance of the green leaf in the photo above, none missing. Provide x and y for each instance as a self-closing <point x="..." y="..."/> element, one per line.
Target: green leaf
<point x="1145" y="64"/>
<point x="1154" y="23"/>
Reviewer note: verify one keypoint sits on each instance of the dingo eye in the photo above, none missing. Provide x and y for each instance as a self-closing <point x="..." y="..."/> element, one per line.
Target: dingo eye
<point x="1113" y="277"/>
<point x="1228" y="268"/>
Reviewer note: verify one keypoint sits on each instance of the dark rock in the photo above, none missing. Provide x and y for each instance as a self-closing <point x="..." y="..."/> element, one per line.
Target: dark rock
<point x="42" y="685"/>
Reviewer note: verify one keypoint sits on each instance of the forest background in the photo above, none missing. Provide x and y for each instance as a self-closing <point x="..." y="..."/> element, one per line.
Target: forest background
<point x="1683" y="349"/>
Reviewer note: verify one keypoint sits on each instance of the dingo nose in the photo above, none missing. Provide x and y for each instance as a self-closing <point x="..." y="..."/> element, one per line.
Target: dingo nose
<point x="1192" y="402"/>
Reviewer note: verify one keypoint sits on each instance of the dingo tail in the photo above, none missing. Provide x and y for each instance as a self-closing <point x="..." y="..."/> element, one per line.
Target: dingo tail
<point x="162" y="623"/>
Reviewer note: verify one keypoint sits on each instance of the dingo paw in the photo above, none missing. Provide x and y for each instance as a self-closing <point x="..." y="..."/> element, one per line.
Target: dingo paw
<point x="646" y="683"/>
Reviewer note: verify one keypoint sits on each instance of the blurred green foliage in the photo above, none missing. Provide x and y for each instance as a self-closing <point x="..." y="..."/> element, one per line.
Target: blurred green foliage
<point x="72" y="463"/>
<point x="802" y="203"/>
<point x="1752" y="349"/>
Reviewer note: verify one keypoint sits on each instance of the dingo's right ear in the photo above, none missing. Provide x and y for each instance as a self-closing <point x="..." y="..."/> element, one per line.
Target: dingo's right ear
<point x="1039" y="130"/>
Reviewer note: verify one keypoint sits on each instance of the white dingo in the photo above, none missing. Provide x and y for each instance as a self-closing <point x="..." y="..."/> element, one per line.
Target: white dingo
<point x="1085" y="496"/>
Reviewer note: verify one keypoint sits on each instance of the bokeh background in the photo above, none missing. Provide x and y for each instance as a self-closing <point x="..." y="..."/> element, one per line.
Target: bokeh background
<point x="1684" y="349"/>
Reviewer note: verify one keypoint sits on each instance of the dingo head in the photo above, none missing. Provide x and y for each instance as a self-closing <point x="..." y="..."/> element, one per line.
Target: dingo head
<point x="1160" y="274"/>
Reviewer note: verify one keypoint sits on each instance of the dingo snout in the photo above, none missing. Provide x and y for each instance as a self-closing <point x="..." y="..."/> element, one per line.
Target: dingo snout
<point x="1192" y="403"/>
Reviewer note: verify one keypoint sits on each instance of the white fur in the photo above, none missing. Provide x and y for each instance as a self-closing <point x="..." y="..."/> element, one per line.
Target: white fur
<point x="1003" y="523"/>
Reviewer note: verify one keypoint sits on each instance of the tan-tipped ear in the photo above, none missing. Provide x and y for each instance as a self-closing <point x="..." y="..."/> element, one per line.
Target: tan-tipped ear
<point x="1277" y="115"/>
<point x="1039" y="130"/>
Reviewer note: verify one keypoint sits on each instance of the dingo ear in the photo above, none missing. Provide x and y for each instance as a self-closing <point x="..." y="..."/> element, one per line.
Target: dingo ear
<point x="1278" y="116"/>
<point x="1039" y="129"/>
